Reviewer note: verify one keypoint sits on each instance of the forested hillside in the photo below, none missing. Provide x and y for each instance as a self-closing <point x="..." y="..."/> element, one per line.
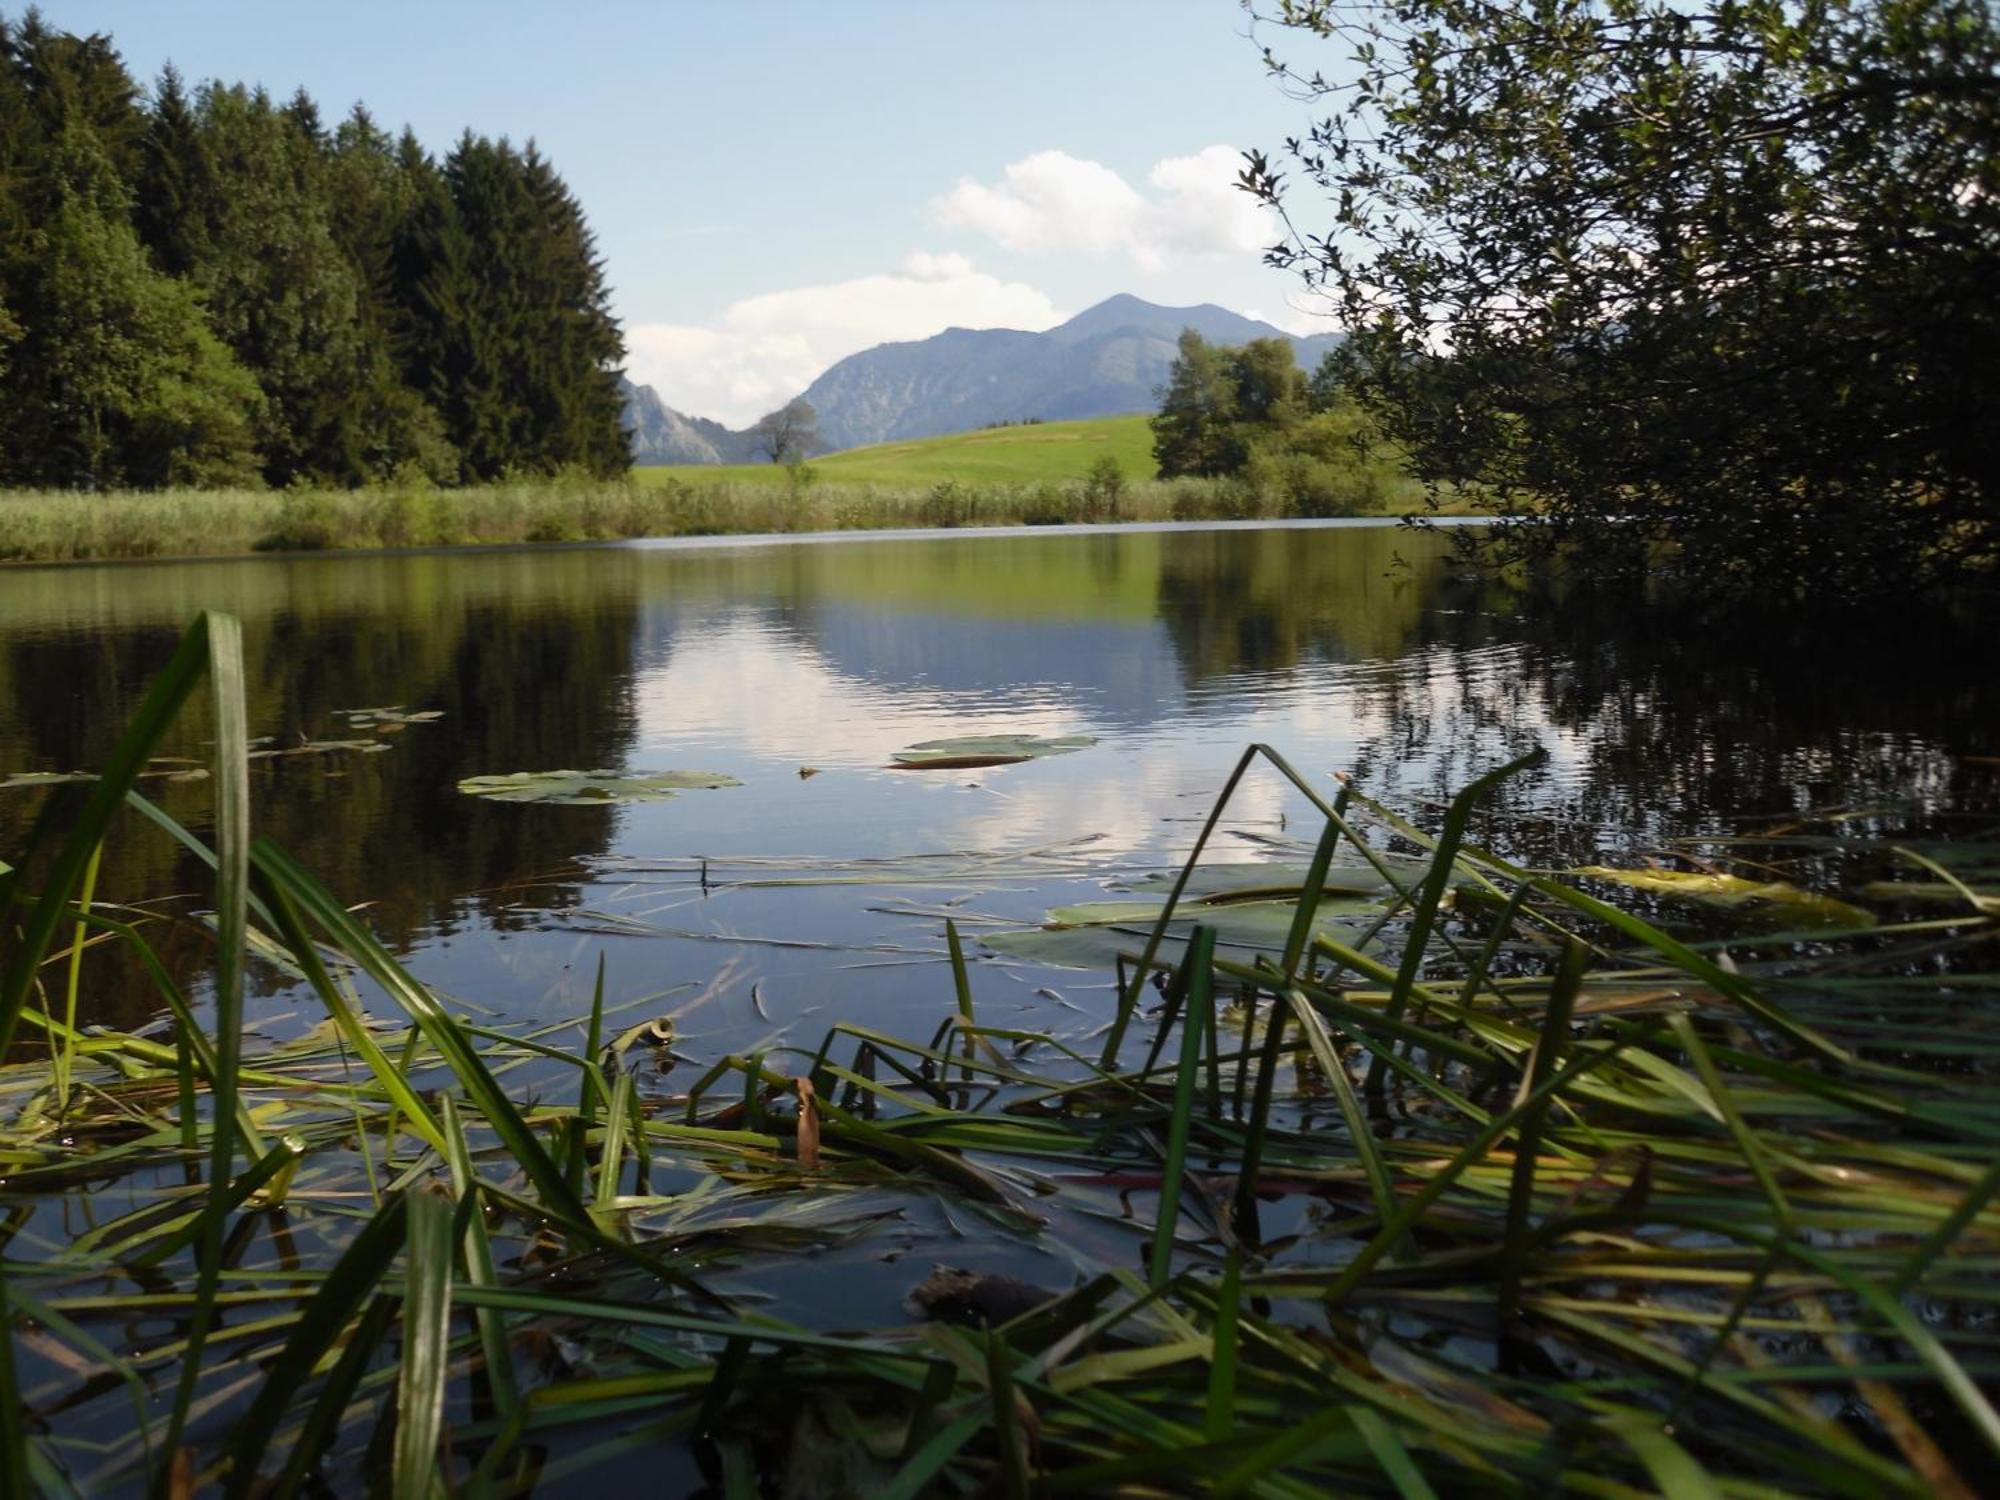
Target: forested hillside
<point x="203" y="286"/>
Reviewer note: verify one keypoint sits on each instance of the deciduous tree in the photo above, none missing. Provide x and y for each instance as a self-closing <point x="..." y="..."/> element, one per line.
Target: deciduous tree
<point x="1705" y="288"/>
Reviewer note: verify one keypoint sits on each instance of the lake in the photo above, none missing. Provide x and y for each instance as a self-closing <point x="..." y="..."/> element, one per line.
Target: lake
<point x="748" y="919"/>
<point x="799" y="667"/>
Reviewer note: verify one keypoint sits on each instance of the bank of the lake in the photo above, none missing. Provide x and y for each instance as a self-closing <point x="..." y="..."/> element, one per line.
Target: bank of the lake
<point x="64" y="526"/>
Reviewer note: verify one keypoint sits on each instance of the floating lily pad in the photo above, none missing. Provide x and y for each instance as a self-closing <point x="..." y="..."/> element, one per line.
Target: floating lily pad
<point x="321" y="747"/>
<point x="1092" y="935"/>
<point x="1733" y="892"/>
<point x="592" y="788"/>
<point x="971" y="752"/>
<point x="44" y="778"/>
<point x="160" y="767"/>
<point x="388" y="720"/>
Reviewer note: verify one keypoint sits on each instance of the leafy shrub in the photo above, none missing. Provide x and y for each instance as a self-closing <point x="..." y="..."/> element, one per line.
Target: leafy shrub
<point x="1104" y="489"/>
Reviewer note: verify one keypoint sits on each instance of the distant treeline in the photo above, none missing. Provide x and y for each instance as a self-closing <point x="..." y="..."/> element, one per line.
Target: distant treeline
<point x="206" y="287"/>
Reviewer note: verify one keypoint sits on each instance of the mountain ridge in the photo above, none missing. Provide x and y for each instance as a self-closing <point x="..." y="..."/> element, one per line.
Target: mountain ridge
<point x="1108" y="360"/>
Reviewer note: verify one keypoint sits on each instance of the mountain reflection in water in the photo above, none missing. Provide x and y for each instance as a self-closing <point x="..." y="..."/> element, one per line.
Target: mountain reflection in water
<point x="1357" y="648"/>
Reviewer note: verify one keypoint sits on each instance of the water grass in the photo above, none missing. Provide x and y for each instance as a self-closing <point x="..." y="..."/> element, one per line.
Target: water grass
<point x="68" y="526"/>
<point x="1623" y="1211"/>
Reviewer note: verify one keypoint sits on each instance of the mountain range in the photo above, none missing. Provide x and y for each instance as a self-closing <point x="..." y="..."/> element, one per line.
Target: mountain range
<point x="1108" y="360"/>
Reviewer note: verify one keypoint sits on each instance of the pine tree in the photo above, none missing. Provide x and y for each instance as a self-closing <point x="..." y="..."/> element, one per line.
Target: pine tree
<point x="176" y="176"/>
<point x="201" y="287"/>
<point x="116" y="378"/>
<point x="278" y="289"/>
<point x="1195" y="429"/>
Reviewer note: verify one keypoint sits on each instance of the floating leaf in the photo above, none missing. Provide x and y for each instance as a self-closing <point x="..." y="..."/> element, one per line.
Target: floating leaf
<point x="322" y="747"/>
<point x="159" y="767"/>
<point x="388" y="720"/>
<point x="1251" y="881"/>
<point x="592" y="788"/>
<point x="971" y="752"/>
<point x="1094" y="933"/>
<point x="1735" y="892"/>
<point x="44" y="778"/>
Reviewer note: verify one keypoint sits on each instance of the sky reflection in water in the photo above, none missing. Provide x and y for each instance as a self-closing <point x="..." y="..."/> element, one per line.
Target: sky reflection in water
<point x="1356" y="648"/>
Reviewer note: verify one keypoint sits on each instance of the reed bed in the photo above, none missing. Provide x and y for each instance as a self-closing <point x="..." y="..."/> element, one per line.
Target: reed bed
<point x="63" y="526"/>
<point x="1514" y="1192"/>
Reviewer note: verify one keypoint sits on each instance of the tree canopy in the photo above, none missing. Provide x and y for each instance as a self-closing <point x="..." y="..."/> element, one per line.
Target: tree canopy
<point x="1706" y="289"/>
<point x="1250" y="413"/>
<point x="789" y="434"/>
<point x="208" y="287"/>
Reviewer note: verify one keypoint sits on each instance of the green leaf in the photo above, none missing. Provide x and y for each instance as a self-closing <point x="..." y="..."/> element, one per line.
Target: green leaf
<point x="592" y="788"/>
<point x="426" y="1344"/>
<point x="969" y="752"/>
<point x="1734" y="893"/>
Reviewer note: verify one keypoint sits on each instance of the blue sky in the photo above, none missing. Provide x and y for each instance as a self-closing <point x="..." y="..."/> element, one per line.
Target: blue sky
<point x="775" y="185"/>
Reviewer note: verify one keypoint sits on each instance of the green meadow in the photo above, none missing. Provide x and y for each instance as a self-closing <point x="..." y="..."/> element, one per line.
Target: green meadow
<point x="1039" y="453"/>
<point x="1009" y="476"/>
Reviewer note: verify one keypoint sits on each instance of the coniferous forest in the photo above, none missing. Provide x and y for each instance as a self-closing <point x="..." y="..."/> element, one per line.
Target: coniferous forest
<point x="202" y="286"/>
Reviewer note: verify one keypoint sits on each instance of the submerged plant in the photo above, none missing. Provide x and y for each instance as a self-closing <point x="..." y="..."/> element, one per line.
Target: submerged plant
<point x="1489" y="1187"/>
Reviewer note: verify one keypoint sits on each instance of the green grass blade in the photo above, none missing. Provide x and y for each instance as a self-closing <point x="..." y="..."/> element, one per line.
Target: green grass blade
<point x="1331" y="1064"/>
<point x="324" y="1420"/>
<point x="13" y="1430"/>
<point x="1940" y="1239"/>
<point x="479" y="1269"/>
<point x="1414" y="1207"/>
<point x="354" y="1279"/>
<point x="593" y="1050"/>
<point x="1671" y="1466"/>
<point x="1397" y="1465"/>
<point x="1006" y="1422"/>
<point x="231" y="778"/>
<point x="66" y="1053"/>
<point x="445" y="1036"/>
<point x="1310" y="894"/>
<point x="1245" y="1217"/>
<point x="1560" y="1007"/>
<point x="1220" y="1418"/>
<point x="961" y="983"/>
<point x="1128" y="999"/>
<point x="1198" y="967"/>
<point x="1430" y="894"/>
<point x="128" y="757"/>
<point x="408" y="1104"/>
<point x="426" y="1345"/>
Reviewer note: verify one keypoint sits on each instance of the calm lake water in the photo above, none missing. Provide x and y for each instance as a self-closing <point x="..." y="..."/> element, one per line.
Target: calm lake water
<point x="1357" y="647"/>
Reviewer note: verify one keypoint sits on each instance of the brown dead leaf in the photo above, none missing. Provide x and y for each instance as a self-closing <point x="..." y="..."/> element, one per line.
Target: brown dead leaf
<point x="808" y="1125"/>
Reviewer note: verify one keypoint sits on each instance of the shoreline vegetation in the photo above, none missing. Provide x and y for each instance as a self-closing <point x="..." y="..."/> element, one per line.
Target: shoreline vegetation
<point x="44" y="526"/>
<point x="1470" y="1179"/>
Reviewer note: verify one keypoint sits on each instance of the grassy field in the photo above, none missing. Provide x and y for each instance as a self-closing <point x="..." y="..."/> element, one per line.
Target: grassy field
<point x="1046" y="452"/>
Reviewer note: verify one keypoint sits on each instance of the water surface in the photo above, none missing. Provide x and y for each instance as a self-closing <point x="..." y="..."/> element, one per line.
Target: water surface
<point x="1361" y="648"/>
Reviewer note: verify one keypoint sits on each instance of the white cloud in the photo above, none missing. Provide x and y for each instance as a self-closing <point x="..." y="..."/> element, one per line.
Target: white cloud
<point x="1054" y="203"/>
<point x="766" y="349"/>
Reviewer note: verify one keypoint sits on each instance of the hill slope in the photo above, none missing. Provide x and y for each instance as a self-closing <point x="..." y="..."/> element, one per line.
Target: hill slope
<point x="1108" y="360"/>
<point x="661" y="435"/>
<point x="1033" y="454"/>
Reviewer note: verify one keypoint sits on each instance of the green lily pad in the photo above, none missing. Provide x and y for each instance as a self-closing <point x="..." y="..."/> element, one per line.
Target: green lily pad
<point x="970" y="752"/>
<point x="1734" y="892"/>
<point x="1092" y="935"/>
<point x="391" y="717"/>
<point x="319" y="747"/>
<point x="592" y="788"/>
